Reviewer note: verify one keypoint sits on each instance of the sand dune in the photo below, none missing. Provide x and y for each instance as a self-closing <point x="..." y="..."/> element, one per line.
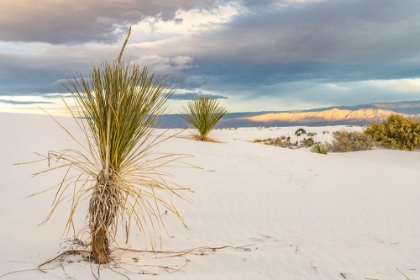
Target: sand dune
<point x="302" y="215"/>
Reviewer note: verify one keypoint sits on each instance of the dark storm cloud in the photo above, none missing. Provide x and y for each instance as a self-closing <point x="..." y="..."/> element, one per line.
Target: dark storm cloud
<point x="47" y="71"/>
<point x="79" y="21"/>
<point x="194" y="95"/>
<point x="37" y="73"/>
<point x="327" y="41"/>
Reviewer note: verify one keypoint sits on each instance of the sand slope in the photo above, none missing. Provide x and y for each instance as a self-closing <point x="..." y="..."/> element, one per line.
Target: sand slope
<point x="304" y="215"/>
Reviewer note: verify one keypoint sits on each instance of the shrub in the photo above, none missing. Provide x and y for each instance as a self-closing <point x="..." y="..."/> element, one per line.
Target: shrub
<point x="396" y="132"/>
<point x="320" y="149"/>
<point x="308" y="142"/>
<point x="300" y="131"/>
<point x="312" y="134"/>
<point x="203" y="113"/>
<point x="277" y="141"/>
<point x="283" y="137"/>
<point x="347" y="141"/>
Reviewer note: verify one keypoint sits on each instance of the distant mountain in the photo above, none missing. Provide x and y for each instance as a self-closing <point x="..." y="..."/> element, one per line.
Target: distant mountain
<point x="341" y="115"/>
<point x="331" y="116"/>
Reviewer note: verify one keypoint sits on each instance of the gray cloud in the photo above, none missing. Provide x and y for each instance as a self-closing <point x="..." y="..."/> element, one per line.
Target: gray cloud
<point x="54" y="96"/>
<point x="47" y="72"/>
<point x="194" y="95"/>
<point x="331" y="40"/>
<point x="79" y="21"/>
<point x="271" y="49"/>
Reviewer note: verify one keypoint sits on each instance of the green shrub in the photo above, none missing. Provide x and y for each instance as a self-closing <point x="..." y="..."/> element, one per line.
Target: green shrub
<point x="320" y="149"/>
<point x="300" y="131"/>
<point x="347" y="141"/>
<point x="396" y="132"/>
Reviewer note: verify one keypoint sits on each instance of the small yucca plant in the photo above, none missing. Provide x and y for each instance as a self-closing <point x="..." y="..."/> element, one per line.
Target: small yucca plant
<point x="117" y="172"/>
<point x="203" y="113"/>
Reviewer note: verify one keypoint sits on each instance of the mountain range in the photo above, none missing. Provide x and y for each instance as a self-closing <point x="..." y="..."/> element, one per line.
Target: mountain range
<point x="341" y="115"/>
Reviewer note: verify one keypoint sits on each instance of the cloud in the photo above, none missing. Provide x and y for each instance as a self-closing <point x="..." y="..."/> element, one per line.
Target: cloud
<point x="400" y="86"/>
<point x="61" y="21"/>
<point x="15" y="102"/>
<point x="330" y="40"/>
<point x="47" y="71"/>
<point x="56" y="96"/>
<point x="194" y="96"/>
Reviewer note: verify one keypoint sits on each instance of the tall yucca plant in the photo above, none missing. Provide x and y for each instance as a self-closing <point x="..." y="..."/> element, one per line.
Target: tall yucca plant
<point x="118" y="174"/>
<point x="203" y="113"/>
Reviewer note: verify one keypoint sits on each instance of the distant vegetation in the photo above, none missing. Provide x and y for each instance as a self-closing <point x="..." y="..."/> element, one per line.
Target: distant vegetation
<point x="320" y="149"/>
<point x="285" y="142"/>
<point x="348" y="141"/>
<point x="396" y="132"/>
<point x="300" y="131"/>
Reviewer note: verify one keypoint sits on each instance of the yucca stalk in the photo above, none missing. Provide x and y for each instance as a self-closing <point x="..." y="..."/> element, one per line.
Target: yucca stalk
<point x="203" y="113"/>
<point x="117" y="173"/>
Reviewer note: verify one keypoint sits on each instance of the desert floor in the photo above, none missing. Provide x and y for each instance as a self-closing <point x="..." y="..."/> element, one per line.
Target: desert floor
<point x="284" y="214"/>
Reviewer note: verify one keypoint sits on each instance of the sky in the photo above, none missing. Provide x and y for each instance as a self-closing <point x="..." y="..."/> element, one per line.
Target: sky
<point x="252" y="55"/>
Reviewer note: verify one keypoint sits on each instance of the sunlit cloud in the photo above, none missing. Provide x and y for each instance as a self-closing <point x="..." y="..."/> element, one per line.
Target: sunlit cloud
<point x="400" y="85"/>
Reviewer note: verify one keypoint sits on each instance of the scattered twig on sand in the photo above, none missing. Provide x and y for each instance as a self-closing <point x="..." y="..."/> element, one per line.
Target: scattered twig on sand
<point x="65" y="253"/>
<point x="86" y="255"/>
<point x="195" y="251"/>
<point x="314" y="267"/>
<point x="343" y="274"/>
<point x="17" y="271"/>
<point x="119" y="273"/>
<point x="406" y="277"/>
<point x="297" y="248"/>
<point x="368" y="278"/>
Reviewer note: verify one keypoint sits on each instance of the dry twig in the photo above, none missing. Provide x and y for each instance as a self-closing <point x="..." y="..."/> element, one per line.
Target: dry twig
<point x="406" y="277"/>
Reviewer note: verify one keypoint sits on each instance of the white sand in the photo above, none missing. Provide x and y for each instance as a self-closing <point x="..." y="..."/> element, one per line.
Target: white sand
<point x="307" y="216"/>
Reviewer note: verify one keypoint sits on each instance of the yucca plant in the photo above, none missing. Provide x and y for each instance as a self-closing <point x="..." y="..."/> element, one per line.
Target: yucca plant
<point x="203" y="113"/>
<point x="117" y="173"/>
